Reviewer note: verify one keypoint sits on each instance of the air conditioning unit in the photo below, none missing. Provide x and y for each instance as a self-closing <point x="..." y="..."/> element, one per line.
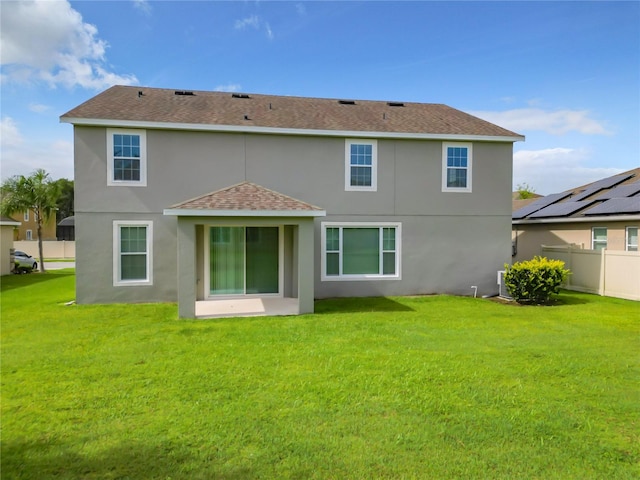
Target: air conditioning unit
<point x="502" y="288"/>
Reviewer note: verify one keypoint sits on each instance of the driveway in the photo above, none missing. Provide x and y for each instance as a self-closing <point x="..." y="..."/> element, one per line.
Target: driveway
<point x="59" y="265"/>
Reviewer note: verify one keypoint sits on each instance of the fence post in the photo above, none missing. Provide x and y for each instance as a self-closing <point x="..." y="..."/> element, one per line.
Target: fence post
<point x="603" y="263"/>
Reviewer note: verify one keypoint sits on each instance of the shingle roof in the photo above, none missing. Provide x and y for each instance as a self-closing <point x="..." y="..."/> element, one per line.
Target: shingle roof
<point x="611" y="196"/>
<point x="202" y="108"/>
<point x="246" y="196"/>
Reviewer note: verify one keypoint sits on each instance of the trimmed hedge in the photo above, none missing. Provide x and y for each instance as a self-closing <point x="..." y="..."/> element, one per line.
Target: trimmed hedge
<point x="534" y="281"/>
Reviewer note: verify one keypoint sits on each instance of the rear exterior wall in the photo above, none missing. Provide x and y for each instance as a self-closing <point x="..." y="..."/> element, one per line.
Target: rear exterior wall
<point x="450" y="240"/>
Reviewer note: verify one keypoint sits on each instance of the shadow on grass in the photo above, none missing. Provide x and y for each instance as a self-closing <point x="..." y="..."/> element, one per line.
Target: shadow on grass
<point x="361" y="304"/>
<point x="10" y="282"/>
<point x="39" y="460"/>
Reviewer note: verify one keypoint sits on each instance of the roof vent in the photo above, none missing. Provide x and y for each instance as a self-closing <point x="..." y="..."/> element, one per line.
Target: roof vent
<point x="240" y="95"/>
<point x="140" y="93"/>
<point x="395" y="104"/>
<point x="346" y="102"/>
<point x="183" y="92"/>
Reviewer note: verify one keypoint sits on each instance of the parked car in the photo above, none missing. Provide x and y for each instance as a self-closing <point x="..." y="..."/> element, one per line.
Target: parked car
<point x="25" y="262"/>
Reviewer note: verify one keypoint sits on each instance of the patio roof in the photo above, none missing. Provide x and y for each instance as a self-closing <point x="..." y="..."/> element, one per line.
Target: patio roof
<point x="245" y="199"/>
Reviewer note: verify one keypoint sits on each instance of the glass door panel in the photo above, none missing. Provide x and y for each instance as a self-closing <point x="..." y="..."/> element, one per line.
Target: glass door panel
<point x="262" y="260"/>
<point x="227" y="260"/>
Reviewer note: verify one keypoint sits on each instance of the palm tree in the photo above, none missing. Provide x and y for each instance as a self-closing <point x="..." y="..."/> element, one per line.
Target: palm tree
<point x="37" y="192"/>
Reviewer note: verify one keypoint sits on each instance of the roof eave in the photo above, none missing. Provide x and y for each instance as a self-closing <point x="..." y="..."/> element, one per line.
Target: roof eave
<point x="184" y="212"/>
<point x="593" y="218"/>
<point x="97" y="122"/>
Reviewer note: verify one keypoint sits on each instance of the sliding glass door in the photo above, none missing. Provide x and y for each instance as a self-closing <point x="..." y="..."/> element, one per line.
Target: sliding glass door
<point x="244" y="260"/>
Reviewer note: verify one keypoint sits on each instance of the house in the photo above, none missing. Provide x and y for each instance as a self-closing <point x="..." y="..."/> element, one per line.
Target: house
<point x="28" y="230"/>
<point x="7" y="226"/>
<point x="201" y="196"/>
<point x="599" y="215"/>
<point x="66" y="229"/>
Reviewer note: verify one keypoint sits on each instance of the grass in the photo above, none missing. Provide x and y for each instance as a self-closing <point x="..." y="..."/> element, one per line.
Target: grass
<point x="421" y="387"/>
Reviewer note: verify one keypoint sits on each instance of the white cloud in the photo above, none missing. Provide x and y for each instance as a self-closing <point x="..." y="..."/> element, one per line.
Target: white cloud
<point x="21" y="157"/>
<point x="143" y="6"/>
<point x="556" y="122"/>
<point x="38" y="107"/>
<point x="252" y="21"/>
<point x="255" y="22"/>
<point x="9" y="134"/>
<point x="555" y="170"/>
<point x="230" y="87"/>
<point x="65" y="51"/>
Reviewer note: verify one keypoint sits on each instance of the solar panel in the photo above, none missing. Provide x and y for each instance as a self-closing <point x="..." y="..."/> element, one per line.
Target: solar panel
<point x="615" y="206"/>
<point x="539" y="204"/>
<point x="561" y="209"/>
<point x="610" y="181"/>
<point x="621" y="191"/>
<point x="581" y="196"/>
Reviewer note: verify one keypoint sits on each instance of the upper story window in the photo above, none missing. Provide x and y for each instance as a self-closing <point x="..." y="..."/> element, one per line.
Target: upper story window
<point x="457" y="159"/>
<point x="598" y="238"/>
<point x="26" y="216"/>
<point x="632" y="239"/>
<point x="361" y="165"/>
<point x="126" y="157"/>
<point x="29" y="235"/>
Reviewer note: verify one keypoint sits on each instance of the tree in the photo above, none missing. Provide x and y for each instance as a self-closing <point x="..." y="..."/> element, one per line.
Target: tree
<point x="37" y="193"/>
<point x="525" y="191"/>
<point x="65" y="200"/>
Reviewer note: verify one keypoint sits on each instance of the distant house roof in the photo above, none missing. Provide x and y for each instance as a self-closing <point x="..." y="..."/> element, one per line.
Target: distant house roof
<point x="9" y="221"/>
<point x="245" y="199"/>
<point x="67" y="222"/>
<point x="144" y="107"/>
<point x="610" y="198"/>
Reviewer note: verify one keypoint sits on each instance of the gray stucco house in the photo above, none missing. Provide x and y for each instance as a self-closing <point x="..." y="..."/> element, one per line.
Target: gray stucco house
<point x="196" y="196"/>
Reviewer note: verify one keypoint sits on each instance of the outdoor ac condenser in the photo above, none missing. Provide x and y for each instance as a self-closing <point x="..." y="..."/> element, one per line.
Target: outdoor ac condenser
<point x="502" y="288"/>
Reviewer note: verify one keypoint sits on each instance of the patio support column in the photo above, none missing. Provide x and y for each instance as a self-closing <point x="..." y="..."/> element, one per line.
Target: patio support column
<point x="186" y="268"/>
<point x="306" y="266"/>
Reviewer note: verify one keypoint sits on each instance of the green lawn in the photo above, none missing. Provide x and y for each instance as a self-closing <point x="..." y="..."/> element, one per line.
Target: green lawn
<point x="397" y="388"/>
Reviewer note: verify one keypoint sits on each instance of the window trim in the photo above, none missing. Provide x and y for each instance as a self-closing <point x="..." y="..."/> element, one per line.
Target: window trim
<point x="593" y="238"/>
<point x="25" y="216"/>
<point x="117" y="224"/>
<point x="143" y="158"/>
<point x="360" y="277"/>
<point x="626" y="239"/>
<point x="347" y="165"/>
<point x="469" y="168"/>
<point x="29" y="235"/>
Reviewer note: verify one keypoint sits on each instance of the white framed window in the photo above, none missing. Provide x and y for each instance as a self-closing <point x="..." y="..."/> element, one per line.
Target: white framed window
<point x="132" y="252"/>
<point x="361" y="251"/>
<point x="126" y="157"/>
<point x="631" y="242"/>
<point x="29" y="235"/>
<point x="598" y="238"/>
<point x="26" y="216"/>
<point x="361" y="165"/>
<point x="457" y="162"/>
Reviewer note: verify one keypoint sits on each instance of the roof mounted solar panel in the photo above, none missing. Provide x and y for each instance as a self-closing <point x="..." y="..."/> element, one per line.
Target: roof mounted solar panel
<point x="561" y="209"/>
<point x="616" y="206"/>
<point x="539" y="204"/>
<point x="621" y="191"/>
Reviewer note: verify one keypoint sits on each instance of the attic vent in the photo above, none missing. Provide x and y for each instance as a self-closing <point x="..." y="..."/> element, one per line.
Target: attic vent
<point x="183" y="92"/>
<point x="395" y="104"/>
<point x="346" y="102"/>
<point x="240" y="95"/>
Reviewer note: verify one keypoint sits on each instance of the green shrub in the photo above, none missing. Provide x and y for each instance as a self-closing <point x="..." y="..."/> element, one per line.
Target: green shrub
<point x="534" y="281"/>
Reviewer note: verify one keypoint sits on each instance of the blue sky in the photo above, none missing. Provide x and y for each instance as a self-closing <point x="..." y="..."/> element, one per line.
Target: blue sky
<point x="564" y="74"/>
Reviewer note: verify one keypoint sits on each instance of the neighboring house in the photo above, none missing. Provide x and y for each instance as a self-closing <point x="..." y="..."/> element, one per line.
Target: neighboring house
<point x="199" y="196"/>
<point x="66" y="229"/>
<point x="7" y="226"/>
<point x="602" y="214"/>
<point x="28" y="230"/>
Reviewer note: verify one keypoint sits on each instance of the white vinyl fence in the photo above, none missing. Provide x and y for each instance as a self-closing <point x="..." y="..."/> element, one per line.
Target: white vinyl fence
<point x="611" y="273"/>
<point x="50" y="248"/>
